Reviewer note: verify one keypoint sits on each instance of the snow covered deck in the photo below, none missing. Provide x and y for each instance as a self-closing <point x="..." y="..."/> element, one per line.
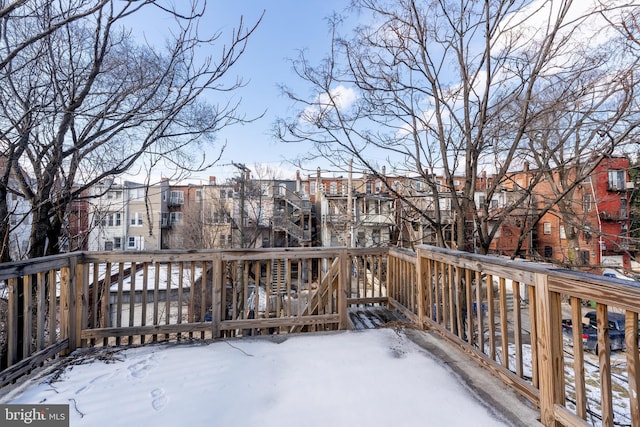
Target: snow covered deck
<point x="503" y="315"/>
<point x="367" y="378"/>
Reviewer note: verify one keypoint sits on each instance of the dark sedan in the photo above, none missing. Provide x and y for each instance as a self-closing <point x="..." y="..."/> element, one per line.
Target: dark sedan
<point x="590" y="336"/>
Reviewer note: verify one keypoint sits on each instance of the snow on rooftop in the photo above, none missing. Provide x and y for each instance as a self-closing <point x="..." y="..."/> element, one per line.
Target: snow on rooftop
<point x="364" y="378"/>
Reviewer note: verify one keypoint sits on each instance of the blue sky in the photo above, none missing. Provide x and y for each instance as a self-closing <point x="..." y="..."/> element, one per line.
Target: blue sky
<point x="287" y="26"/>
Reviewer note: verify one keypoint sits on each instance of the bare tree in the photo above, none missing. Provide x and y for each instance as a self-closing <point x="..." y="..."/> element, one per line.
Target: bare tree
<point x="83" y="100"/>
<point x="451" y="89"/>
<point x="254" y="204"/>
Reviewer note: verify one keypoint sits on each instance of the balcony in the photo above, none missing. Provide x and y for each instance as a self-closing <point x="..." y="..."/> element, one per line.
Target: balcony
<point x="483" y="307"/>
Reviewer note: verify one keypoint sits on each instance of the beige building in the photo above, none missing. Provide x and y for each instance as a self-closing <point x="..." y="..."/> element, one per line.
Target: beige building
<point x="126" y="216"/>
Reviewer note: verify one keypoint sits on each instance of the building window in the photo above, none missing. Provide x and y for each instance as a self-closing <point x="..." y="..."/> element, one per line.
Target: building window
<point x="223" y="194"/>
<point x="177" y="197"/>
<point x="616" y="179"/>
<point x="375" y="236"/>
<point x="136" y="193"/>
<point x="117" y="243"/>
<point x="312" y="187"/>
<point x="584" y="257"/>
<point x="586" y="203"/>
<point x="369" y="187"/>
<point x="108" y="246"/>
<point x="198" y="195"/>
<point x="114" y="195"/>
<point x="547" y="228"/>
<point x="378" y="186"/>
<point x="136" y="219"/>
<point x="548" y="251"/>
<point x="175" y="218"/>
<point x="131" y="242"/>
<point x="563" y="232"/>
<point x="333" y="188"/>
<point x="623" y="208"/>
<point x="334" y="239"/>
<point x="114" y="219"/>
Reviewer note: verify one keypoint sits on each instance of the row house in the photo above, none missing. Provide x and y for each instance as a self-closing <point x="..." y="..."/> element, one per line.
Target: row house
<point x="596" y="231"/>
<point x="19" y="218"/>
<point x="293" y="216"/>
<point x="589" y="228"/>
<point x="243" y="213"/>
<point x="361" y="214"/>
<point x="369" y="210"/>
<point x="198" y="216"/>
<point x="512" y="192"/>
<point x="424" y="204"/>
<point x="126" y="216"/>
<point x="20" y="226"/>
<point x="75" y="234"/>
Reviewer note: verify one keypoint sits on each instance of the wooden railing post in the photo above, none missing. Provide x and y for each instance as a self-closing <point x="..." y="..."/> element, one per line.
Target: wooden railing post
<point x="343" y="280"/>
<point x="216" y="294"/>
<point x="549" y="343"/>
<point x="82" y="295"/>
<point x="12" y="321"/>
<point x="65" y="306"/>
<point x="420" y="283"/>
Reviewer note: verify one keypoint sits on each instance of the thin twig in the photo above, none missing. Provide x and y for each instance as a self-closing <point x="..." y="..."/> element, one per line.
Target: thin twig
<point x="75" y="405"/>
<point x="239" y="349"/>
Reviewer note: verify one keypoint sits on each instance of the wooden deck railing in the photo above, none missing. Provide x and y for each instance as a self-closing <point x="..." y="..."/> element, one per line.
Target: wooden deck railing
<point x="56" y="304"/>
<point x="505" y="314"/>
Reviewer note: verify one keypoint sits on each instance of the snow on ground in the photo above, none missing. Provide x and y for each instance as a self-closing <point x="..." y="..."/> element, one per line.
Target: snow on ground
<point x="354" y="378"/>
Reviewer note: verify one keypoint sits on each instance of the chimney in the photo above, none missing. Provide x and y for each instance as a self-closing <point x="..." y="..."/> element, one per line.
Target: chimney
<point x="247" y="175"/>
<point x="212" y="180"/>
<point x="384" y="171"/>
<point x="525" y="167"/>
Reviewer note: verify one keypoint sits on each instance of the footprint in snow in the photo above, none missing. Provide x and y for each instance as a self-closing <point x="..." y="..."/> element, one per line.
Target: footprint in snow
<point x="88" y="386"/>
<point x="141" y="369"/>
<point x="159" y="399"/>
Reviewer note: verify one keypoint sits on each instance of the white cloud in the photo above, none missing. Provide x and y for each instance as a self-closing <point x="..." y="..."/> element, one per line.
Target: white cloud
<point x="339" y="98"/>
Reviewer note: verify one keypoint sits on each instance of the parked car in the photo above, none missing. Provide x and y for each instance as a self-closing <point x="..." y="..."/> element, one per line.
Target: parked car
<point x="590" y="336"/>
<point x="616" y="320"/>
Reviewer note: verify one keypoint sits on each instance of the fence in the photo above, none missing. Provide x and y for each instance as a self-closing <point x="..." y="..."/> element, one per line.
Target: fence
<point x="57" y="304"/>
<point x="506" y="314"/>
